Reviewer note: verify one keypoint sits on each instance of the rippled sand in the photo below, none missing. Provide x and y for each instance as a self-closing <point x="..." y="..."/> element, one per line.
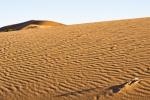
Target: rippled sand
<point x="95" y="61"/>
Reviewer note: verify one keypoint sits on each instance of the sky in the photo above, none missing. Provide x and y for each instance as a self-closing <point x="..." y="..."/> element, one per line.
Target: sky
<point x="71" y="11"/>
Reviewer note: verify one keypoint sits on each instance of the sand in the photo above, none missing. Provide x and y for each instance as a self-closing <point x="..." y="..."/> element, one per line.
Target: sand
<point x="32" y="24"/>
<point x="93" y="61"/>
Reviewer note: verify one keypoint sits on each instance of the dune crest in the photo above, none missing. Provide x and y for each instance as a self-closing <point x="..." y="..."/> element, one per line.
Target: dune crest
<point x="30" y="24"/>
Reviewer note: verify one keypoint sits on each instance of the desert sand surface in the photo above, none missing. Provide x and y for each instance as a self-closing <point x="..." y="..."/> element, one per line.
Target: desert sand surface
<point x="94" y="61"/>
<point x="30" y="25"/>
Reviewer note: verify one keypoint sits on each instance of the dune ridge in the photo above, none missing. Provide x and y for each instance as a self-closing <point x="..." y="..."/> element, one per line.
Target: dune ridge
<point x="94" y="61"/>
<point x="30" y="25"/>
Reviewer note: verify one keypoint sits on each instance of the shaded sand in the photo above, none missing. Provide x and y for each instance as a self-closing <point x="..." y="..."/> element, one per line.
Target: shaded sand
<point x="96" y="61"/>
<point x="30" y="25"/>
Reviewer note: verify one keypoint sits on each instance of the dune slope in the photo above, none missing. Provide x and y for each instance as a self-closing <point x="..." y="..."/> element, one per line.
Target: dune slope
<point x="30" y="25"/>
<point x="96" y="61"/>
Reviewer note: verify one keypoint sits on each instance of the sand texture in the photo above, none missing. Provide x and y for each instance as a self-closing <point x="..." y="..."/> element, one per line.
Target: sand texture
<point x="93" y="61"/>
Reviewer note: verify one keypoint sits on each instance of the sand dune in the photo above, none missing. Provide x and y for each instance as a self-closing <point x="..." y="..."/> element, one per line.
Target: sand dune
<point x="30" y="25"/>
<point x="95" y="61"/>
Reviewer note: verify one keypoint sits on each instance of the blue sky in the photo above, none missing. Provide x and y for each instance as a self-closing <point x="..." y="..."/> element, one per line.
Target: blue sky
<point x="71" y="11"/>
